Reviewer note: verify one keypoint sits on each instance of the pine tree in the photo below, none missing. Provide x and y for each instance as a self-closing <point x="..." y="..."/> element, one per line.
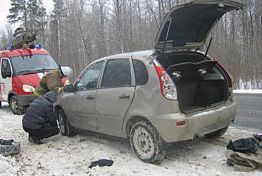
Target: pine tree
<point x="18" y="12"/>
<point x="37" y="15"/>
<point x="30" y="13"/>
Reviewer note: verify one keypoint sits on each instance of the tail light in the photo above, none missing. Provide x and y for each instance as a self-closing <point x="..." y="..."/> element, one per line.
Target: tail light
<point x="167" y="86"/>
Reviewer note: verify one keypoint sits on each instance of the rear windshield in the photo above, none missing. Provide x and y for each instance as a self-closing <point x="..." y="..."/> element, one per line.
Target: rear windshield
<point x="33" y="64"/>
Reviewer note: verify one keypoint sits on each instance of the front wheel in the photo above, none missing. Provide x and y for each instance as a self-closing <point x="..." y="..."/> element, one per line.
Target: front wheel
<point x="146" y="142"/>
<point x="64" y="125"/>
<point x="15" y="107"/>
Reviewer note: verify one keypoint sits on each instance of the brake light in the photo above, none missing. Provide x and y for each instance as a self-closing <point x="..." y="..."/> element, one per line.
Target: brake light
<point x="180" y="123"/>
<point x="230" y="82"/>
<point x="167" y="86"/>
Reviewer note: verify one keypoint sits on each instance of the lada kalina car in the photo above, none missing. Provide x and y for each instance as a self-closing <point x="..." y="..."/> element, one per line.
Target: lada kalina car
<point x="169" y="94"/>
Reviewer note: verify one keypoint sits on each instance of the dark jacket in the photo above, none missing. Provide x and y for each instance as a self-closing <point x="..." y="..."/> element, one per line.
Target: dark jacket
<point x="40" y="112"/>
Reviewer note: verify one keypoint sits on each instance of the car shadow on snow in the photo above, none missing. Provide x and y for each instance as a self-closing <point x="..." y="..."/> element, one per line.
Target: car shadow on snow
<point x="174" y="151"/>
<point x="121" y="144"/>
<point x="193" y="148"/>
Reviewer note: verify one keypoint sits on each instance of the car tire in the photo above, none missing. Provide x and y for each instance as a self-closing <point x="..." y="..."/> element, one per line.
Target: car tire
<point x="146" y="142"/>
<point x="217" y="133"/>
<point x="64" y="125"/>
<point x="15" y="107"/>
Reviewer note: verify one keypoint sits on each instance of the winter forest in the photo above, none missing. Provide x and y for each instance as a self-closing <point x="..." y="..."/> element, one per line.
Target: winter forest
<point x="80" y="31"/>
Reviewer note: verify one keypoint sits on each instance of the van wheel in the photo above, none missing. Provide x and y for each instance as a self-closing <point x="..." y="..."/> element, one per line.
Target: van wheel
<point x="146" y="142"/>
<point x="217" y="133"/>
<point x="15" y="107"/>
<point x="64" y="125"/>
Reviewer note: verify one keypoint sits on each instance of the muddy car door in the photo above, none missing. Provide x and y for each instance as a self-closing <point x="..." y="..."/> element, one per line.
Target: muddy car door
<point x="79" y="105"/>
<point x="114" y="96"/>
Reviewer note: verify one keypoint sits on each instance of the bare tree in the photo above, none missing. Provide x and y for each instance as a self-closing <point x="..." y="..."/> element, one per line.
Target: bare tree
<point x="81" y="31"/>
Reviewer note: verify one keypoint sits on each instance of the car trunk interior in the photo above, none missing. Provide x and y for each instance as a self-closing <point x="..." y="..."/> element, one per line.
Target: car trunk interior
<point x="199" y="80"/>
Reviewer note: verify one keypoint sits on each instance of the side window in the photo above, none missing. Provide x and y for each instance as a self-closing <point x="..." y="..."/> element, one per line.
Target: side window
<point x="117" y="73"/>
<point x="89" y="78"/>
<point x="5" y="68"/>
<point x="141" y="73"/>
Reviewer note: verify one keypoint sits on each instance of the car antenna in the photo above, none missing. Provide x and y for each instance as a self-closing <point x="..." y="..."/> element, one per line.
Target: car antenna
<point x="209" y="44"/>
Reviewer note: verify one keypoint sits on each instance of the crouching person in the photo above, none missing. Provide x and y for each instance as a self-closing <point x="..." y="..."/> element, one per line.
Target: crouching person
<point x="39" y="120"/>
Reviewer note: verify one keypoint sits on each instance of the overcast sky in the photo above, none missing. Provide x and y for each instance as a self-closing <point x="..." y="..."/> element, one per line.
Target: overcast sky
<point x="5" y="6"/>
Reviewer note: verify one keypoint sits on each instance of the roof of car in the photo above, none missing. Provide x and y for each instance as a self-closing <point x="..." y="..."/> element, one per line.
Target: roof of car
<point x="19" y="52"/>
<point x="135" y="54"/>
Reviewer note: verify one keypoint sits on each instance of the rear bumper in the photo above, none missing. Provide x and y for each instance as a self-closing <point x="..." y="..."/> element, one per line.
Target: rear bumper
<point x="25" y="100"/>
<point x="200" y="123"/>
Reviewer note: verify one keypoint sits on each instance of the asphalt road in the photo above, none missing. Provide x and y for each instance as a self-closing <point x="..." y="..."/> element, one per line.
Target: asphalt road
<point x="249" y="111"/>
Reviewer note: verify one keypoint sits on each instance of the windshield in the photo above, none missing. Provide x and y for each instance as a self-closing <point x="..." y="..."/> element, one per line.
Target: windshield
<point x="33" y="64"/>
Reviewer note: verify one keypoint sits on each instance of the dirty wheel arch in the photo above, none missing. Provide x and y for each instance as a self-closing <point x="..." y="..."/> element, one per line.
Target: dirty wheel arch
<point x="217" y="133"/>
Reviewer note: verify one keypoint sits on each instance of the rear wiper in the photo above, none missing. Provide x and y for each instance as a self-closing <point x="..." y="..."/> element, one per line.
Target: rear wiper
<point x="26" y="72"/>
<point x="43" y="70"/>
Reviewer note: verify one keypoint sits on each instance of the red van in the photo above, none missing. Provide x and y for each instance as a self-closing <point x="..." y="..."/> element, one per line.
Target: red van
<point x="21" y="71"/>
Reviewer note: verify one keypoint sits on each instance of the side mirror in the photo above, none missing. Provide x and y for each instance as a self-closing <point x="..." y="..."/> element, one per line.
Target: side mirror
<point x="69" y="88"/>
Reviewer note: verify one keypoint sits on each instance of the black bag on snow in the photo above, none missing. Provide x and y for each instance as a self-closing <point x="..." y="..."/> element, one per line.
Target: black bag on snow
<point x="9" y="147"/>
<point x="246" y="145"/>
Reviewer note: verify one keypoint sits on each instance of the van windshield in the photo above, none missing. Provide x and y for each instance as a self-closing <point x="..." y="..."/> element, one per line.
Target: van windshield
<point x="33" y="64"/>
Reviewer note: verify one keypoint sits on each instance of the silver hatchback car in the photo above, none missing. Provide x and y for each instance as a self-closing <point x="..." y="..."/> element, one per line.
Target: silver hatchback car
<point x="172" y="93"/>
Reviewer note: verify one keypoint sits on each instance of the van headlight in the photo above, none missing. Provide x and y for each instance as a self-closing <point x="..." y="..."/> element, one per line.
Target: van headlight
<point x="28" y="88"/>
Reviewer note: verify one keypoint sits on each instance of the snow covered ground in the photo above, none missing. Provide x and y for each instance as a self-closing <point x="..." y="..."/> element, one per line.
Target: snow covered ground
<point x="248" y="91"/>
<point x="61" y="155"/>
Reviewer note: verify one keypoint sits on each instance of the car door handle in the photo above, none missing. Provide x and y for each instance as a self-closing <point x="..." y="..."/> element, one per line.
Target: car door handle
<point x="90" y="97"/>
<point x="124" y="96"/>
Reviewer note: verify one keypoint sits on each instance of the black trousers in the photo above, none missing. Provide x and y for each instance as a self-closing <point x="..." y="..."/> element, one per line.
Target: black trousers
<point x="44" y="132"/>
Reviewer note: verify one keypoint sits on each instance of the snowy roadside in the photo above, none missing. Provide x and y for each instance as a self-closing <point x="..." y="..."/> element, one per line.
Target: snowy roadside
<point x="71" y="156"/>
<point x="241" y="91"/>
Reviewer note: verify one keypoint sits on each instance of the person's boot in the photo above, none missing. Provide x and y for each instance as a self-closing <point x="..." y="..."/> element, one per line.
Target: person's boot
<point x="35" y="140"/>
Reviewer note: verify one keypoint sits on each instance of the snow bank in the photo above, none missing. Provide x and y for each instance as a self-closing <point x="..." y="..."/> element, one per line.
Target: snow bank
<point x="61" y="155"/>
<point x="249" y="91"/>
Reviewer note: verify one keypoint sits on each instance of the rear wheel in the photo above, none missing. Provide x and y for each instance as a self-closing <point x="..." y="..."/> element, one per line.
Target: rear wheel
<point x="64" y="125"/>
<point x="217" y="133"/>
<point x="146" y="142"/>
<point x="15" y="107"/>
